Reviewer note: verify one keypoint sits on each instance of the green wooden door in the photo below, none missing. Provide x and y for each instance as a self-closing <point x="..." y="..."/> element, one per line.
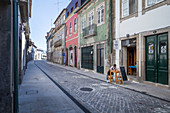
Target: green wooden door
<point x="157" y="58"/>
<point x="163" y="59"/>
<point x="151" y="64"/>
<point x="100" y="58"/>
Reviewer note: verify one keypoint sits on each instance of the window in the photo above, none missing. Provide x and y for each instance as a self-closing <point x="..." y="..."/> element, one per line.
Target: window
<point x="71" y="9"/>
<point x="67" y="14"/>
<point x="91" y="18"/>
<point x="100" y="14"/>
<point x="75" y="25"/>
<point x="128" y="7"/>
<point x="76" y="5"/>
<point x="66" y="30"/>
<point x="83" y="22"/>
<point x="70" y="27"/>
<point x="149" y="3"/>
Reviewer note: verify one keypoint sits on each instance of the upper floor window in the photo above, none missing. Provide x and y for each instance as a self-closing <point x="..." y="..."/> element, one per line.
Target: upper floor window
<point x="70" y="27"/>
<point x="91" y="18"/>
<point x="66" y="30"/>
<point x="75" y="24"/>
<point x="149" y="3"/>
<point x="128" y="7"/>
<point x="72" y="9"/>
<point x="83" y="22"/>
<point x="100" y="14"/>
<point x="67" y="14"/>
<point x="76" y="5"/>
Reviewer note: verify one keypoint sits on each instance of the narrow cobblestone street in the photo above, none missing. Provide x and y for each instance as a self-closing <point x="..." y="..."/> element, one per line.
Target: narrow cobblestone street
<point x="104" y="97"/>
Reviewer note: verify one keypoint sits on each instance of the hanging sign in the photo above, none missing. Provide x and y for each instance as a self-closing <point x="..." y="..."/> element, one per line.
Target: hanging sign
<point x="117" y="44"/>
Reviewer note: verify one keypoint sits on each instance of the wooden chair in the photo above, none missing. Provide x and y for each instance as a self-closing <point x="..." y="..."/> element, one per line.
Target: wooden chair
<point x="118" y="78"/>
<point x="110" y="77"/>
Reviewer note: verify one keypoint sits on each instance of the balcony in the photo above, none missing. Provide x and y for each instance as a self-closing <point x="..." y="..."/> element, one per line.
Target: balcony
<point x="90" y="31"/>
<point x="58" y="43"/>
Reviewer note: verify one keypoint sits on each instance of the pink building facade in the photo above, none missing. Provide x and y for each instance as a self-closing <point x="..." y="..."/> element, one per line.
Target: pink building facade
<point x="71" y="40"/>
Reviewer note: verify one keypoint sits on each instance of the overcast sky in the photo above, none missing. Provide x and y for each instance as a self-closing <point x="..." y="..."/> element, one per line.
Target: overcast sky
<point x="44" y="13"/>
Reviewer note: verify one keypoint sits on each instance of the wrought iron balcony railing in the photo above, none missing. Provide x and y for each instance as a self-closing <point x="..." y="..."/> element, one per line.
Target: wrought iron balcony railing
<point x="91" y="30"/>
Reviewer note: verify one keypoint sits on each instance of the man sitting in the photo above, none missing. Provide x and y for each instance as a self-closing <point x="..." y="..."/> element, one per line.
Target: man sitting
<point x="108" y="73"/>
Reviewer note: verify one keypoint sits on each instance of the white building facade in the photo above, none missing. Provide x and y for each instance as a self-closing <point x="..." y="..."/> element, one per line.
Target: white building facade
<point x="143" y="27"/>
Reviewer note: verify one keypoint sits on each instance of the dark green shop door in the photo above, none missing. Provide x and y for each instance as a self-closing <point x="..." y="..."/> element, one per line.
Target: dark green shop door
<point x="157" y="58"/>
<point x="100" y="58"/>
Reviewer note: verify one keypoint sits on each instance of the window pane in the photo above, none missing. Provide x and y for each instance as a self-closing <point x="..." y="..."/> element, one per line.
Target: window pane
<point x="125" y="8"/>
<point x="150" y="2"/>
<point x="131" y="6"/>
<point x="75" y="24"/>
<point x="71" y="28"/>
<point x="98" y="16"/>
<point x="102" y="15"/>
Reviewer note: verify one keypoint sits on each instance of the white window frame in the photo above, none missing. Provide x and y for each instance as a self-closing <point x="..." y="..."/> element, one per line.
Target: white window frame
<point x="66" y="30"/>
<point x="100" y="17"/>
<point x="71" y="25"/>
<point x="91" y="18"/>
<point x="125" y="8"/>
<point x="149" y="3"/>
<point x="83" y="22"/>
<point x="75" y="25"/>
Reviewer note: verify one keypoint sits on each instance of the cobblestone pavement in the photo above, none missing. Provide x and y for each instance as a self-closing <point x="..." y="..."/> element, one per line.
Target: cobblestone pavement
<point x="38" y="94"/>
<point x="105" y="97"/>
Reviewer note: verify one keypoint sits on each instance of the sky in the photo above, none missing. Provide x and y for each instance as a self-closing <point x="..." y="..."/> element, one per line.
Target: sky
<point x="44" y="13"/>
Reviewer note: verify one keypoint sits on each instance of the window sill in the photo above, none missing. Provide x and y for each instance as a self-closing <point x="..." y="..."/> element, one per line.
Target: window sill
<point x="75" y="32"/>
<point x="144" y="10"/>
<point x="70" y="34"/>
<point x="99" y="24"/>
<point x="130" y="16"/>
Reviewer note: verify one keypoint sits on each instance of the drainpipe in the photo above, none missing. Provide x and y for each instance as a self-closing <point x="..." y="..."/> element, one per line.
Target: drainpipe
<point x="111" y="26"/>
<point x="15" y="53"/>
<point x="139" y="55"/>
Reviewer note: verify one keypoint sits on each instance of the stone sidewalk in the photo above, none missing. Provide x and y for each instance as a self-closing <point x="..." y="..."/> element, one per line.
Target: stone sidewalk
<point x="38" y="94"/>
<point x="157" y="92"/>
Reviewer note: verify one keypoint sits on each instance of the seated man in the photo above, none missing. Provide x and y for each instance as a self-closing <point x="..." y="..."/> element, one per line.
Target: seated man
<point x="108" y="73"/>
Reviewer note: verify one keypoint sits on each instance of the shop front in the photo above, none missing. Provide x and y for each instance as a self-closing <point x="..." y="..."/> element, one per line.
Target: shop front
<point x="128" y="56"/>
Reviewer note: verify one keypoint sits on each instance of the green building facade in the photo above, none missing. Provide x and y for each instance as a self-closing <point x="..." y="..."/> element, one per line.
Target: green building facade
<point x="93" y="35"/>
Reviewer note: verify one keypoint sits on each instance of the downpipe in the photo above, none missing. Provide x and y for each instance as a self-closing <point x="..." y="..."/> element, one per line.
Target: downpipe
<point x="15" y="53"/>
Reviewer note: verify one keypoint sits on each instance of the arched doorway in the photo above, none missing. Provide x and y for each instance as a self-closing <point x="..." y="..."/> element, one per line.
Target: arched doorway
<point x="71" y="62"/>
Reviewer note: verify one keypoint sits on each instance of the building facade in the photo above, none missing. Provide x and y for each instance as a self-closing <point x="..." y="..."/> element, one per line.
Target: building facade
<point x="14" y="35"/>
<point x="143" y="27"/>
<point x="50" y="44"/>
<point x="71" y="37"/>
<point x="59" y="38"/>
<point x="93" y="35"/>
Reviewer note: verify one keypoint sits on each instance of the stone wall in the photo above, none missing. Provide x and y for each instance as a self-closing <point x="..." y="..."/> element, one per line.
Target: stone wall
<point x="5" y="59"/>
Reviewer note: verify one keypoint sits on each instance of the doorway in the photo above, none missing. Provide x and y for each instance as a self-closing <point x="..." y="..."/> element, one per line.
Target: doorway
<point x="100" y="58"/>
<point x="131" y="60"/>
<point x="75" y="56"/>
<point x="87" y="57"/>
<point x="157" y="58"/>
